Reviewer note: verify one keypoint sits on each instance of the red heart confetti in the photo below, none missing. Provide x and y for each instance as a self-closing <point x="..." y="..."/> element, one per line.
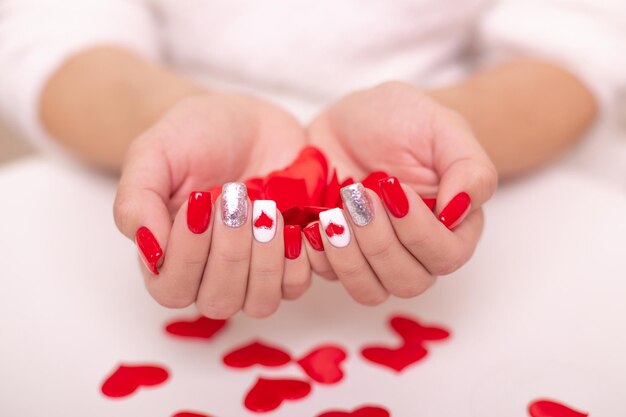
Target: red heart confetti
<point x="127" y="379"/>
<point x="323" y="364"/>
<point x="269" y="394"/>
<point x="199" y="328"/>
<point x="190" y="414"/>
<point x="256" y="353"/>
<point x="549" y="408"/>
<point x="397" y="359"/>
<point x="413" y="332"/>
<point x="264" y="221"/>
<point x="364" y="411"/>
<point x="334" y="229"/>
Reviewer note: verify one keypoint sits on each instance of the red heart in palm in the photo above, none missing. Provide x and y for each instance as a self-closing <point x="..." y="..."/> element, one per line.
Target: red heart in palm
<point x="200" y="328"/>
<point x="548" y="408"/>
<point x="365" y="411"/>
<point x="256" y="353"/>
<point x="126" y="379"/>
<point x="397" y="359"/>
<point x="269" y="394"/>
<point x="323" y="364"/>
<point x="334" y="229"/>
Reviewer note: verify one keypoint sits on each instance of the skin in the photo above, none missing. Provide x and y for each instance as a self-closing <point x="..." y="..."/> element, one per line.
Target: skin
<point x="168" y="137"/>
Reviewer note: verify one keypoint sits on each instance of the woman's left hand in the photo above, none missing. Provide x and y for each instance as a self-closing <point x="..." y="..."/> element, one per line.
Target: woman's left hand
<point x="396" y="245"/>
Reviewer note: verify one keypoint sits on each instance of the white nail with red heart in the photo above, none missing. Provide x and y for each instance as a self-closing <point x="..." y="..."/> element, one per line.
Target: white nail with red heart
<point x="264" y="220"/>
<point x="335" y="227"/>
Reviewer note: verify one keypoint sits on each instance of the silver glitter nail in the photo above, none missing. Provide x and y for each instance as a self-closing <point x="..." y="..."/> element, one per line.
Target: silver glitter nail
<point x="358" y="203"/>
<point x="234" y="204"/>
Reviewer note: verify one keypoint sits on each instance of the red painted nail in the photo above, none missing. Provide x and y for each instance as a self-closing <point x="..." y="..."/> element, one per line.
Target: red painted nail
<point x="453" y="213"/>
<point x="394" y="197"/>
<point x="199" y="211"/>
<point x="313" y="235"/>
<point x="293" y="241"/>
<point x="430" y="202"/>
<point x="149" y="248"/>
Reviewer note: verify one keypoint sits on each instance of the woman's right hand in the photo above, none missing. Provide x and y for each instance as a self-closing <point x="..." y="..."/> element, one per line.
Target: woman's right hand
<point x="191" y="252"/>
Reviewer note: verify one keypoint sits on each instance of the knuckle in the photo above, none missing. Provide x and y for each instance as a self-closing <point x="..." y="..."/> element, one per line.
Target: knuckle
<point x="349" y="271"/>
<point x="266" y="272"/>
<point x="260" y="311"/>
<point x="293" y="287"/>
<point x="173" y="300"/>
<point x="380" y="249"/>
<point x="233" y="256"/>
<point x="448" y="264"/>
<point x="218" y="310"/>
<point x="371" y="298"/>
<point x="485" y="179"/>
<point x="413" y="289"/>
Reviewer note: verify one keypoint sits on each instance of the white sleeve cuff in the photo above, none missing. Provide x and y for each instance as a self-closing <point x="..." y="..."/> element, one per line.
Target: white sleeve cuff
<point x="38" y="36"/>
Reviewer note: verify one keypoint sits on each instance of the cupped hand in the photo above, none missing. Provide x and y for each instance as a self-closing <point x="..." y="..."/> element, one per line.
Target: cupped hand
<point x="393" y="242"/>
<point x="191" y="252"/>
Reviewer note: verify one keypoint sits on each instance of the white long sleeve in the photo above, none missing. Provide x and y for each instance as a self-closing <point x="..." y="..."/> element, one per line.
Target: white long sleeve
<point x="588" y="37"/>
<point x="37" y="36"/>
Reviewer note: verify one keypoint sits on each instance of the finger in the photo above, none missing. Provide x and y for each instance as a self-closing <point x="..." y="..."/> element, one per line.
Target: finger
<point x="397" y="269"/>
<point x="347" y="260"/>
<point x="267" y="263"/>
<point x="438" y="249"/>
<point x="468" y="177"/>
<point x="314" y="246"/>
<point x="180" y="276"/>
<point x="223" y="288"/>
<point x="140" y="208"/>
<point x="297" y="276"/>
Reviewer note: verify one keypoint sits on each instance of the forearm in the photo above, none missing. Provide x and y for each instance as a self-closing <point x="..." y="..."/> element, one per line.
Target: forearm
<point x="101" y="99"/>
<point x="524" y="113"/>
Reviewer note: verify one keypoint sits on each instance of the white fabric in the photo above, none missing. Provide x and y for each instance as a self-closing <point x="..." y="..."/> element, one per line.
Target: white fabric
<point x="305" y="53"/>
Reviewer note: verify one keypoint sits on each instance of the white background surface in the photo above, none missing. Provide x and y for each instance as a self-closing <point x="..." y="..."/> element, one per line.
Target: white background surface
<point x="539" y="311"/>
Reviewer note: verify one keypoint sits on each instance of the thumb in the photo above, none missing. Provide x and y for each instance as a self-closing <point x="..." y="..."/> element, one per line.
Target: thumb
<point x="140" y="208"/>
<point x="468" y="178"/>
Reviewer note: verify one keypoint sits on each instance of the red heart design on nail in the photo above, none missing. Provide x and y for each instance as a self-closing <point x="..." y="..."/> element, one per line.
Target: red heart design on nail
<point x="323" y="364"/>
<point x="365" y="411"/>
<point x="127" y="379"/>
<point x="189" y="414"/>
<point x="548" y="408"/>
<point x="413" y="332"/>
<point x="269" y="394"/>
<point x="397" y="359"/>
<point x="200" y="328"/>
<point x="256" y="353"/>
<point x="334" y="229"/>
<point x="264" y="221"/>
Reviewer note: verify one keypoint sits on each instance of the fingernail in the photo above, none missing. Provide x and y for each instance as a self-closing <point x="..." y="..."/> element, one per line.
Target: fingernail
<point x="264" y="220"/>
<point x="394" y="196"/>
<point x="313" y="235"/>
<point x="234" y="204"/>
<point x="335" y="227"/>
<point x="453" y="213"/>
<point x="358" y="203"/>
<point x="149" y="248"/>
<point x="293" y="241"/>
<point x="431" y="203"/>
<point x="199" y="211"/>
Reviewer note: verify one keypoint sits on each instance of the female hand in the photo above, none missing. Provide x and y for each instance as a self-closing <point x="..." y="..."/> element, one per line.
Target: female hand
<point x="191" y="252"/>
<point x="399" y="247"/>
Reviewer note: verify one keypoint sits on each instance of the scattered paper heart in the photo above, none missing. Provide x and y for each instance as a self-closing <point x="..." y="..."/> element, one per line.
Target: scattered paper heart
<point x="323" y="364"/>
<point x="127" y="379"/>
<point x="256" y="353"/>
<point x="268" y="394"/>
<point x="198" y="328"/>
